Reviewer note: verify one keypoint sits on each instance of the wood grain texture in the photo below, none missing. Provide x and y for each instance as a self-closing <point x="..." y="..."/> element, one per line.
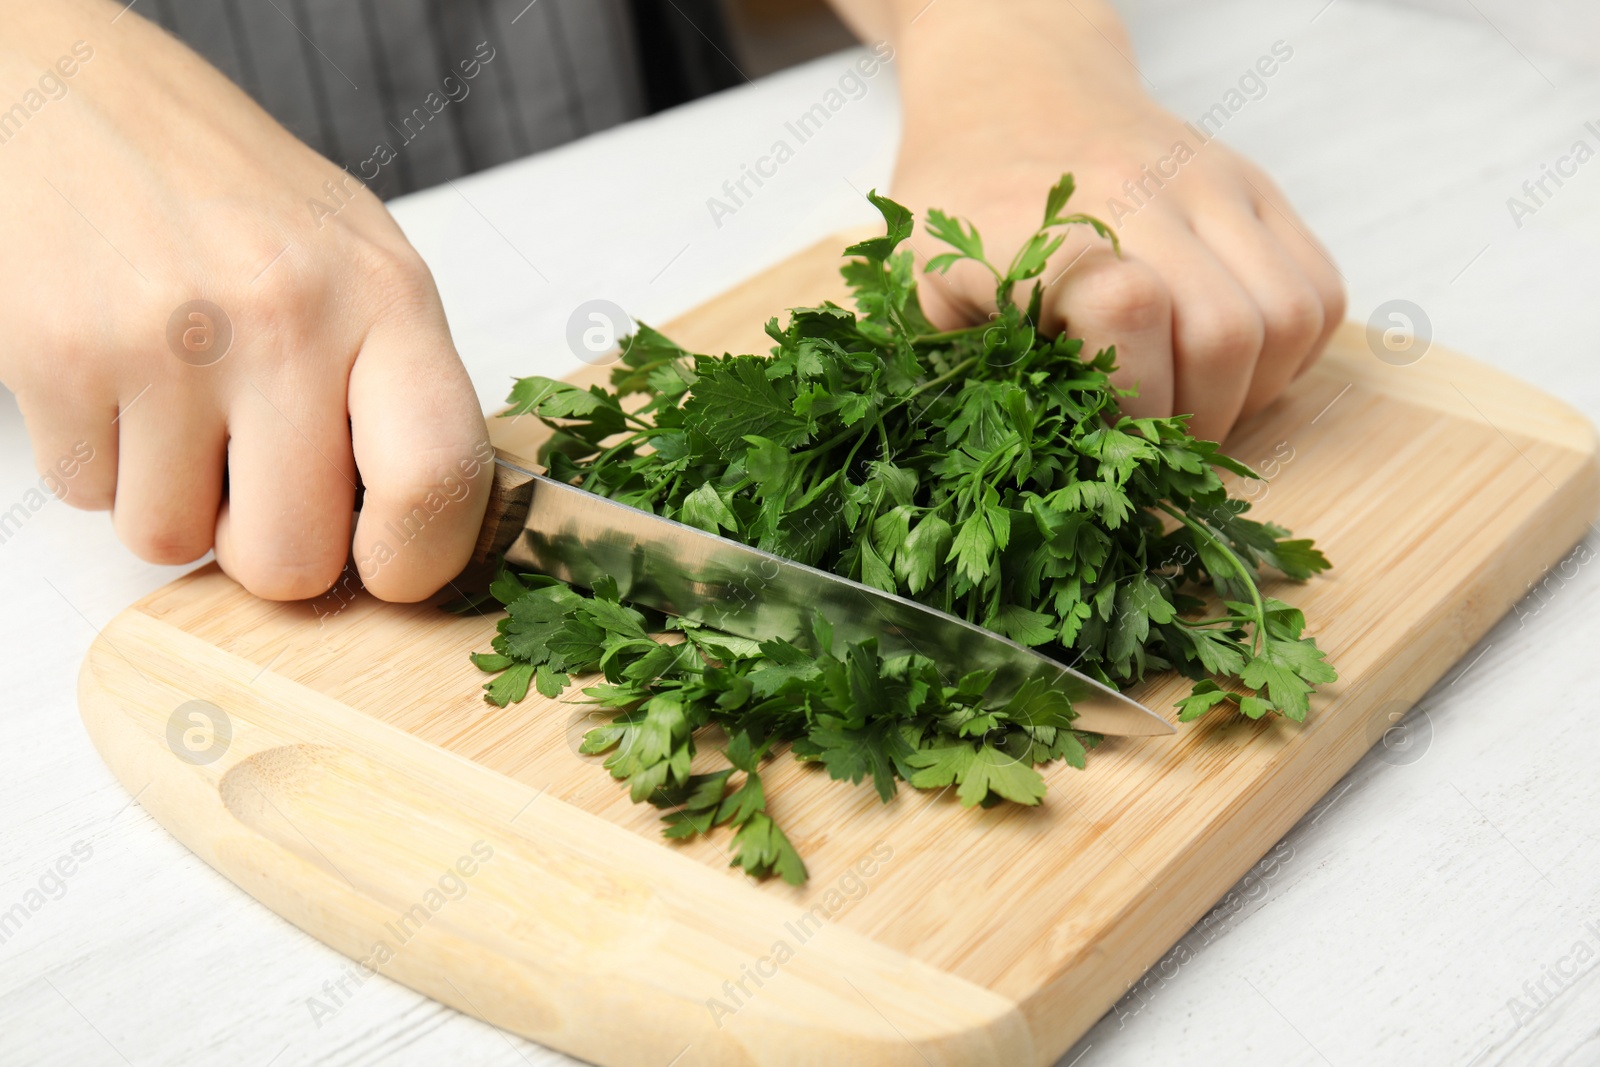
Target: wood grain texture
<point x="509" y="495"/>
<point x="363" y="764"/>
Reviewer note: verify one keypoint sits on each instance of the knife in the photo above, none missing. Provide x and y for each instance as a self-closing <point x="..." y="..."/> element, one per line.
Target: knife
<point x="545" y="525"/>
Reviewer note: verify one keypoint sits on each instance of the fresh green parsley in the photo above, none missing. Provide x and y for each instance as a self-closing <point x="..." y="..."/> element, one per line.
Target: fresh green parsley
<point x="986" y="471"/>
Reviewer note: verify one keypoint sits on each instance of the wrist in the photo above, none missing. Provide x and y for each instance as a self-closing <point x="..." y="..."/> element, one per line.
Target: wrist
<point x="979" y="65"/>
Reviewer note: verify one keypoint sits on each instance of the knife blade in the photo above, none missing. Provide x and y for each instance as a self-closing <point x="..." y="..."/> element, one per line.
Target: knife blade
<point x="569" y="533"/>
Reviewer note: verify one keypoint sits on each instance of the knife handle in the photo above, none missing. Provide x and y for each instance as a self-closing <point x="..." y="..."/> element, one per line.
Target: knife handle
<point x="507" y="510"/>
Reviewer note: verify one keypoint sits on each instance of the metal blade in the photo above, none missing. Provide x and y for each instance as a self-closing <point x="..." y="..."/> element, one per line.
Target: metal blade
<point x="579" y="537"/>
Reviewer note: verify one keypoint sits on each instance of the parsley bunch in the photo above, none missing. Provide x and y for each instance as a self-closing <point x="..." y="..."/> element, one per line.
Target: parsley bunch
<point x="986" y="471"/>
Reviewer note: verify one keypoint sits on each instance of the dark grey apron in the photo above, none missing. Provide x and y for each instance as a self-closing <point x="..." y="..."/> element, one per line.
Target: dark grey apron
<point x="408" y="93"/>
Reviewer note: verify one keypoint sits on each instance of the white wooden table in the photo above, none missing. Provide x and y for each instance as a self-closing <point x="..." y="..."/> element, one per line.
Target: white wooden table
<point x="1432" y="908"/>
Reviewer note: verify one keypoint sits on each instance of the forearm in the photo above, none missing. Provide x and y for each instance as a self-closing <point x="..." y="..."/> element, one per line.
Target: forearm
<point x="980" y="61"/>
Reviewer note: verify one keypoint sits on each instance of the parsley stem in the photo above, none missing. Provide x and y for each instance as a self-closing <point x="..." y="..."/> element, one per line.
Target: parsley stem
<point x="975" y="483"/>
<point x="851" y="457"/>
<point x="960" y="368"/>
<point x="600" y="460"/>
<point x="1201" y="530"/>
<point x="1205" y="624"/>
<point x="946" y="336"/>
<point x="817" y="450"/>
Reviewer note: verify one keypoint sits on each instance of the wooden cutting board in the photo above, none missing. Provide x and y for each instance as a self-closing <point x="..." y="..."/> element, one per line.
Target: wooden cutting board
<point x="335" y="760"/>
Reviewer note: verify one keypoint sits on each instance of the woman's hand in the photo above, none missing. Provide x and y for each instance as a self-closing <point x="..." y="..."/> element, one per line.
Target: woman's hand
<point x="1220" y="297"/>
<point x="144" y="182"/>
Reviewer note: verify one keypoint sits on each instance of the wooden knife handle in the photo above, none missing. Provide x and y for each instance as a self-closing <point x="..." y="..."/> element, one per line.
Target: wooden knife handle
<point x="507" y="510"/>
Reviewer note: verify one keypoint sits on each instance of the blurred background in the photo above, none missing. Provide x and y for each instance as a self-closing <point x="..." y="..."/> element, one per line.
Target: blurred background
<point x="769" y="35"/>
<point x="1565" y="27"/>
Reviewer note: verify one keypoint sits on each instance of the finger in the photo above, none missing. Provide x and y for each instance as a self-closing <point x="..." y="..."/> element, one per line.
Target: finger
<point x="1315" y="263"/>
<point x="1123" y="302"/>
<point x="284" y="531"/>
<point x="1217" y="333"/>
<point x="964" y="293"/>
<point x="1291" y="308"/>
<point x="170" y="458"/>
<point x="958" y="297"/>
<point x="74" y="446"/>
<point x="424" y="455"/>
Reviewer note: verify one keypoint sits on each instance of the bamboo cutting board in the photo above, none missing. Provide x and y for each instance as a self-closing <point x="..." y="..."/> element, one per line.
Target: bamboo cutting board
<point x="335" y="760"/>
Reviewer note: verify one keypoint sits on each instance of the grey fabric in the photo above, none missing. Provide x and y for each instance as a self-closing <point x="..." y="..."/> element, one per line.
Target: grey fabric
<point x="409" y="93"/>
<point x="689" y="54"/>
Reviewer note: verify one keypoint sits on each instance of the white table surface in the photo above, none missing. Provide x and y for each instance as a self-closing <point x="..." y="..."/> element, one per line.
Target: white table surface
<point x="1403" y="914"/>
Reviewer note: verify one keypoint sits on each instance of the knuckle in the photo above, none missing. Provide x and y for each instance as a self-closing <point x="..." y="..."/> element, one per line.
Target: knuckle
<point x="164" y="542"/>
<point x="1294" y="319"/>
<point x="1266" y="188"/>
<point x="261" y="289"/>
<point x="1126" y="298"/>
<point x="397" y="276"/>
<point x="272" y="298"/>
<point x="236" y="262"/>
<point x="1226" y="335"/>
<point x="1335" y="304"/>
<point x="288" y="579"/>
<point x="426" y="478"/>
<point x="251" y="253"/>
<point x="90" y="496"/>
